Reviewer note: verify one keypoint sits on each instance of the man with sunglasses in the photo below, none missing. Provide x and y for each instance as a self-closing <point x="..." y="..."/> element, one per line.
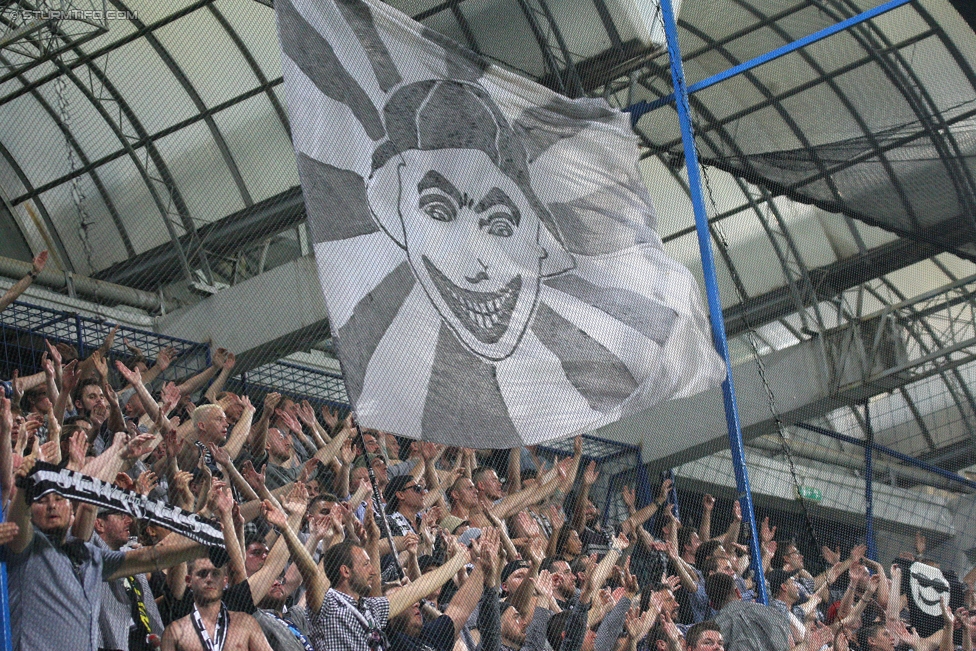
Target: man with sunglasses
<point x="211" y="626"/>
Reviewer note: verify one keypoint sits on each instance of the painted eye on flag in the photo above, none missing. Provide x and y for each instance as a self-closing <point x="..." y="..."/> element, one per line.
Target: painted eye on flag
<point x="486" y="247"/>
<point x="438" y="207"/>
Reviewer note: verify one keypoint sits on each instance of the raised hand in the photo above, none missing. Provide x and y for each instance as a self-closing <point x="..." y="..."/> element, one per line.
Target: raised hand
<point x="146" y="482"/>
<point x="308" y="469"/>
<point x="637" y="624"/>
<point x="132" y="377"/>
<point x="665" y="491"/>
<point x="51" y="452"/>
<point x="577" y="446"/>
<point x="590" y="475"/>
<point x="708" y="502"/>
<point x="181" y="480"/>
<point x="253" y="478"/>
<point x="768" y="533"/>
<point x="271" y="401"/>
<point x="171" y="396"/>
<point x="629" y="496"/>
<point x="229" y="361"/>
<point x="220" y="456"/>
<point x="629" y="581"/>
<point x="124" y="481"/>
<point x="26" y="467"/>
<point x="138" y="446"/>
<point x="330" y="417"/>
<point x="77" y="450"/>
<point x="832" y="556"/>
<point x="219" y="357"/>
<point x="273" y="515"/>
<point x="101" y="365"/>
<point x="290" y="421"/>
<point x="296" y="501"/>
<point x="858" y="552"/>
<point x="69" y="376"/>
<point x="673" y="581"/>
<point x="556" y="517"/>
<point x="39" y="261"/>
<point x="165" y="358"/>
<point x="489" y="556"/>
<point x="306" y="413"/>
<point x="371" y="529"/>
<point x="8" y="531"/>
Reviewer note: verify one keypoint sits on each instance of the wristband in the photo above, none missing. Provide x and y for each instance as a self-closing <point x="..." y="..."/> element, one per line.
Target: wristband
<point x="33" y="274"/>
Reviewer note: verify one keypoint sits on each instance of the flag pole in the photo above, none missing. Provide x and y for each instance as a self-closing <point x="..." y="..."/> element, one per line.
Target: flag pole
<point x="378" y="501"/>
<point x="711" y="289"/>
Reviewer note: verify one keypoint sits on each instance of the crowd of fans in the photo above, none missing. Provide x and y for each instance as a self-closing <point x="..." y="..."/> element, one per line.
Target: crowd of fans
<point x="481" y="550"/>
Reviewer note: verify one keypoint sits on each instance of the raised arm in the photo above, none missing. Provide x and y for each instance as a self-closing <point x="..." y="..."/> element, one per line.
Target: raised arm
<point x="258" y="439"/>
<point x="261" y="581"/>
<point x="172" y="550"/>
<point x="21" y="285"/>
<point x="238" y="435"/>
<point x="314" y="579"/>
<point x="134" y="377"/>
<point x="403" y="598"/>
<point x="195" y="382"/>
<point x="164" y="358"/>
<point x="20" y="512"/>
<point x="226" y="366"/>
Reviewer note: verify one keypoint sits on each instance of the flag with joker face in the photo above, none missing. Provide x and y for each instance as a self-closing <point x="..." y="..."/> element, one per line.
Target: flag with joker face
<point x="486" y="247"/>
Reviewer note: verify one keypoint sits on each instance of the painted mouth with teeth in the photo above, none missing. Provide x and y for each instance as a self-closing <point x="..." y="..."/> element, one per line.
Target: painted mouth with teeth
<point x="486" y="315"/>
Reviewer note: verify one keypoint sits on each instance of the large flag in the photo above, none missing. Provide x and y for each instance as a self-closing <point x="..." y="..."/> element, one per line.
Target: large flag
<point x="486" y="247"/>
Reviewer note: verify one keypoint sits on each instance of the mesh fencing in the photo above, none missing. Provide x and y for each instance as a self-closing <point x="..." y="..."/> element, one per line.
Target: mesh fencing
<point x="186" y="201"/>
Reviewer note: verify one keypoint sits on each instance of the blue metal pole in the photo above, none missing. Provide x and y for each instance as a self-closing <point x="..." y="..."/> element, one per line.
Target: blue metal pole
<point x="869" y="483"/>
<point x="711" y="290"/>
<point x="641" y="108"/>
<point x="935" y="470"/>
<point x="6" y="643"/>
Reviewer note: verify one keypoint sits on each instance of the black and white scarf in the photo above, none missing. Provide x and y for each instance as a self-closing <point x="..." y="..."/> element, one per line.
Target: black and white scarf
<point x="47" y="478"/>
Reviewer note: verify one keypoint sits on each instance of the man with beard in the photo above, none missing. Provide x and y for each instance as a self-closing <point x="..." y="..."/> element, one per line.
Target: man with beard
<point x="211" y="627"/>
<point x="57" y="581"/>
<point x="129" y="619"/>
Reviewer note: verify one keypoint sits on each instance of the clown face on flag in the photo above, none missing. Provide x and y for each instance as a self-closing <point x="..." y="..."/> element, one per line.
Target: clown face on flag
<point x="486" y="247"/>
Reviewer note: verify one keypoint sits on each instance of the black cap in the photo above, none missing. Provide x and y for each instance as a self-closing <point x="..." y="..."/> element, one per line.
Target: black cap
<point x="511" y="567"/>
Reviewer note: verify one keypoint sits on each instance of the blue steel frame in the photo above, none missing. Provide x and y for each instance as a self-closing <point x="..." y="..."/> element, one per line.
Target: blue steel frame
<point x="683" y="107"/>
<point x="641" y="108"/>
<point x="711" y="290"/>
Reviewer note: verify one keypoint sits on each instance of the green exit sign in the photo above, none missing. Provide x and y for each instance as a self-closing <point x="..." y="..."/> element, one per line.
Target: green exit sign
<point x="810" y="493"/>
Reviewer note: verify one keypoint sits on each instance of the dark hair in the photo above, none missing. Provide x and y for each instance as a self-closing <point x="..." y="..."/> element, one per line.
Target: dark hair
<point x="720" y="588"/>
<point x="705" y="551"/>
<point x="253" y="536"/>
<point x="711" y="566"/>
<point x="684" y="538"/>
<point x="778" y="557"/>
<point x="336" y="556"/>
<point x="556" y="628"/>
<point x="696" y="631"/>
<point x="414" y="121"/>
<point x="866" y="632"/>
<point x="562" y="538"/>
<point x="395" y="485"/>
<point x="80" y="389"/>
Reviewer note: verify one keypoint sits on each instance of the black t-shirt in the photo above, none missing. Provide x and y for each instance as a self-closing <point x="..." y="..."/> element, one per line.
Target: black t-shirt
<point x="437" y="635"/>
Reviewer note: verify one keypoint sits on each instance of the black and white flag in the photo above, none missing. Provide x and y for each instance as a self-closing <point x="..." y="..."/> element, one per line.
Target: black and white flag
<point x="486" y="247"/>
